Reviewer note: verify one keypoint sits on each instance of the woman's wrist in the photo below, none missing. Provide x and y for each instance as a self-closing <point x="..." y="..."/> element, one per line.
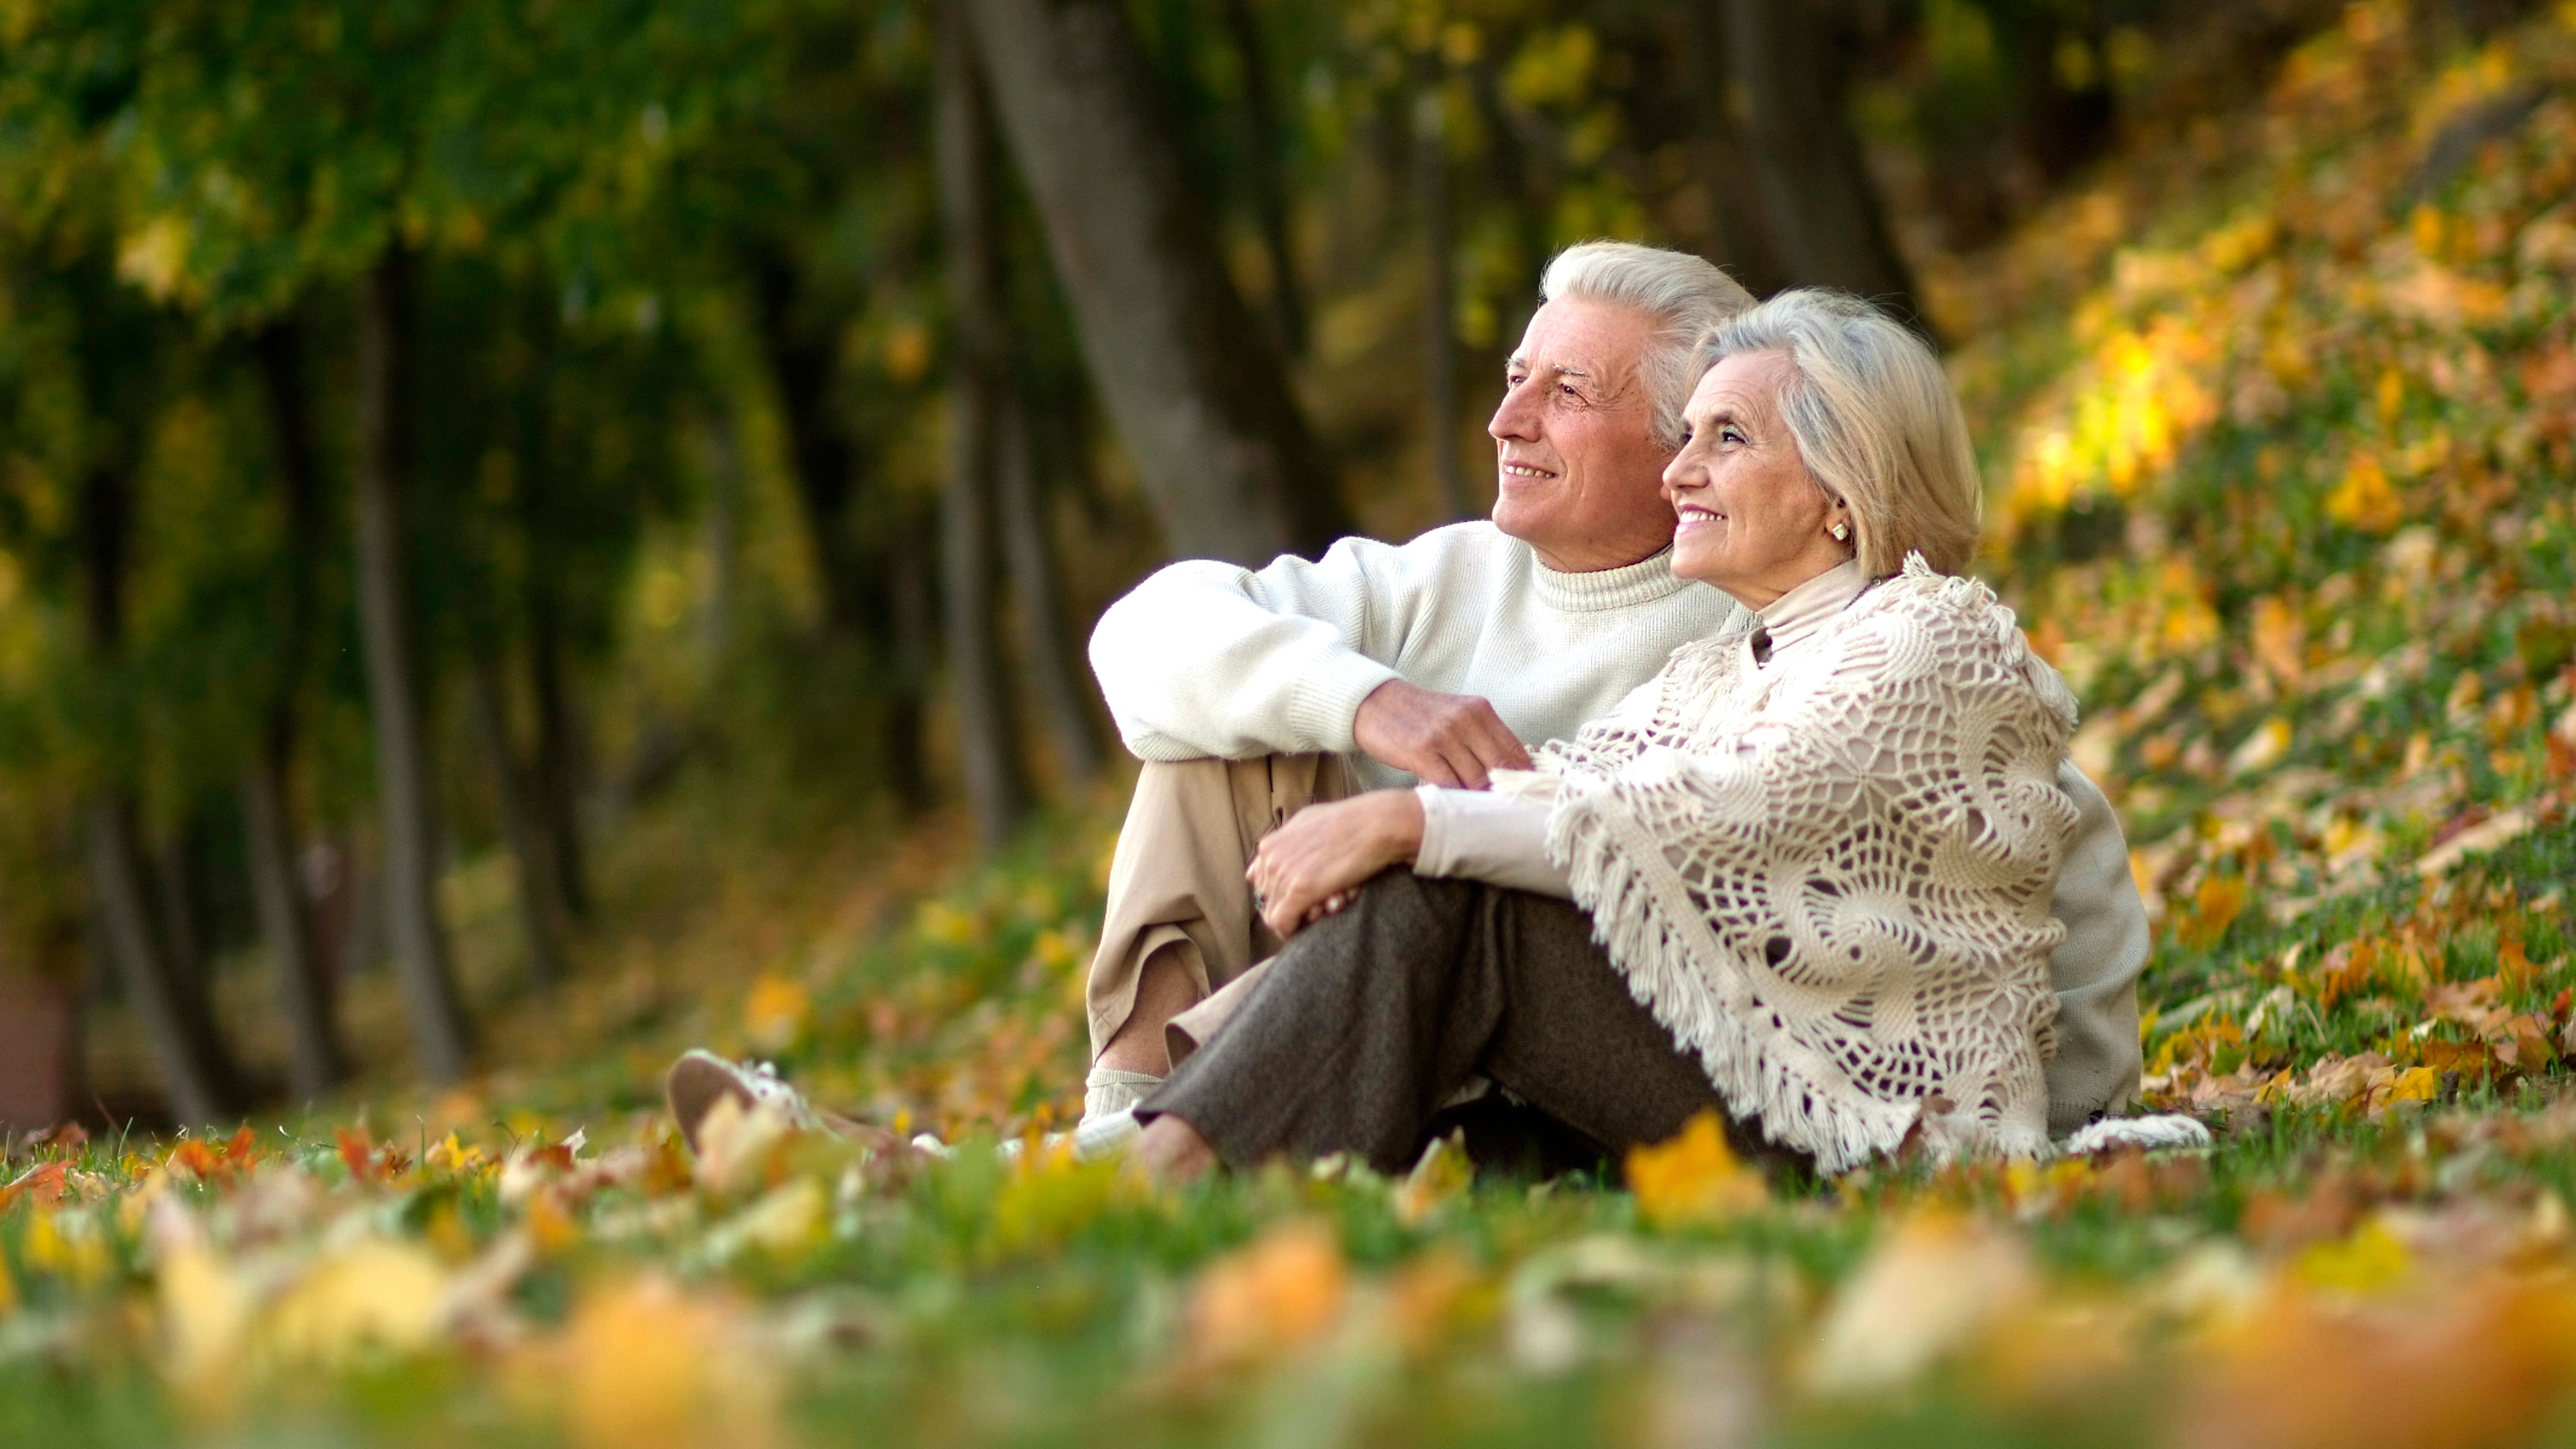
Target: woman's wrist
<point x="1398" y="820"/>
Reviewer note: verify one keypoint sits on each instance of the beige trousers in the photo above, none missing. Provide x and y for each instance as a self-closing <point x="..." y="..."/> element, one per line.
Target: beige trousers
<point x="1176" y="883"/>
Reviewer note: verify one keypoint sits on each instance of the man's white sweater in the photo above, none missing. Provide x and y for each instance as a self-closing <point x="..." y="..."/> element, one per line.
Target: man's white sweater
<point x="1212" y="659"/>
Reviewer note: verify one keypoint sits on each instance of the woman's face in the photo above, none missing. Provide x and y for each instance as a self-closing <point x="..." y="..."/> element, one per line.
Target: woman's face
<point x="1748" y="518"/>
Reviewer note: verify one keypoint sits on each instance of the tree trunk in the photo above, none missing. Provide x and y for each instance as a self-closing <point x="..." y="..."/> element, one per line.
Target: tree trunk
<point x="1739" y="234"/>
<point x="1053" y="677"/>
<point x="988" y="747"/>
<point x="557" y="777"/>
<point x="174" y="874"/>
<point x="186" y="1043"/>
<point x="1269" y="188"/>
<point x="875" y="596"/>
<point x="801" y="356"/>
<point x="723" y="455"/>
<point x="315" y="1062"/>
<point x="1439" y="296"/>
<point x="439" y="1030"/>
<point x="194" y="1070"/>
<point x="539" y="921"/>
<point x="907" y="679"/>
<point x="1203" y="404"/>
<point x="1790" y="60"/>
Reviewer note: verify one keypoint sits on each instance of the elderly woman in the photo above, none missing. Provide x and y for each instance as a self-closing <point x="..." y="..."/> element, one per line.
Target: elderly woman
<point x="1809" y="864"/>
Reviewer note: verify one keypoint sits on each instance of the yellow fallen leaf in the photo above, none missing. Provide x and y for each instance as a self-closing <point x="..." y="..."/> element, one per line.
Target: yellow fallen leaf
<point x="2261" y="750"/>
<point x="1443" y="1173"/>
<point x="2364" y="500"/>
<point x="1279" y="1293"/>
<point x="787" y="1220"/>
<point x="2416" y="1084"/>
<point x="777" y="1013"/>
<point x="2214" y="907"/>
<point x="643" y="1365"/>
<point x="205" y="1318"/>
<point x="1931" y="1287"/>
<point x="1695" y="1177"/>
<point x="374" y="1296"/>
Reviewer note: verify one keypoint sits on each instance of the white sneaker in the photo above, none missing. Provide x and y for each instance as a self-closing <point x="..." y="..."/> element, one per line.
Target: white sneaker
<point x="1094" y="1139"/>
<point x="700" y="1079"/>
<point x="2171" y="1132"/>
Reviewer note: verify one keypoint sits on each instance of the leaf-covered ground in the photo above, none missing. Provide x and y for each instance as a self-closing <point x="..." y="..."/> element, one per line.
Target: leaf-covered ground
<point x="2281" y="412"/>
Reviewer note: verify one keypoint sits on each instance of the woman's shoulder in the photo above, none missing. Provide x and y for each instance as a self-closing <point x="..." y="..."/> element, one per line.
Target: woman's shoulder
<point x="1920" y="620"/>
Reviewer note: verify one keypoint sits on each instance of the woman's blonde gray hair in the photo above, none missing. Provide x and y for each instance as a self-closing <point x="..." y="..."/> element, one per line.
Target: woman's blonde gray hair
<point x="1876" y="422"/>
<point x="1685" y="294"/>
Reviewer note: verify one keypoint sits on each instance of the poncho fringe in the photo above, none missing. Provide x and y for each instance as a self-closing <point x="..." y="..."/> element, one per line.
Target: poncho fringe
<point x="1831" y="879"/>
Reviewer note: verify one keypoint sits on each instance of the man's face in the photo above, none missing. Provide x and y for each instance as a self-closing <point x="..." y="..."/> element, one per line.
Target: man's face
<point x="1580" y="466"/>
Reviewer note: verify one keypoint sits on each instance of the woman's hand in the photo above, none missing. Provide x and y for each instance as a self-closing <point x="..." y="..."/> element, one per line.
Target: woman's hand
<point x="1306" y="869"/>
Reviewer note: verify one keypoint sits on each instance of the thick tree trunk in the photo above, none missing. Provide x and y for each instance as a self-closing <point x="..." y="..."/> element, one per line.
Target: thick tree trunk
<point x="540" y="923"/>
<point x="439" y="1030"/>
<point x="315" y="1062"/>
<point x="1790" y="59"/>
<point x="876" y="591"/>
<point x="801" y="356"/>
<point x="1269" y="187"/>
<point x="1439" y="297"/>
<point x="1739" y="234"/>
<point x="1203" y="404"/>
<point x="1044" y="644"/>
<point x="170" y="1005"/>
<point x="185" y="1047"/>
<point x="988" y="746"/>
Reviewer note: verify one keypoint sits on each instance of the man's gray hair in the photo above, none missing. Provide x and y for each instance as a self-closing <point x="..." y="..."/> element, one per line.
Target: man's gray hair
<point x="1876" y="422"/>
<point x="1685" y="294"/>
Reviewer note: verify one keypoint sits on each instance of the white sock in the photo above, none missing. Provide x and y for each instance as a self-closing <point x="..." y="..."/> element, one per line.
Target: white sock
<point x="1109" y="1091"/>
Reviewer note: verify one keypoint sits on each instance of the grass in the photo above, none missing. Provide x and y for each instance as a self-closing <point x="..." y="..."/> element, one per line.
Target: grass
<point x="2282" y="470"/>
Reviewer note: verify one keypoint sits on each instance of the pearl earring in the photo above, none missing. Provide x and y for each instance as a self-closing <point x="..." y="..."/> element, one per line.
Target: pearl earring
<point x="1840" y="531"/>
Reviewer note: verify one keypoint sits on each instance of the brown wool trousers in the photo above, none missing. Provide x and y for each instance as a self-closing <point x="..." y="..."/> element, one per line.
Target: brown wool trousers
<point x="1176" y="883"/>
<point x="1368" y="1021"/>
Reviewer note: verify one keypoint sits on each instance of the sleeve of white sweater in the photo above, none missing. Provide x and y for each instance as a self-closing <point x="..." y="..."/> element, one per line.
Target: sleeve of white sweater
<point x="1210" y="658"/>
<point x="2095" y="969"/>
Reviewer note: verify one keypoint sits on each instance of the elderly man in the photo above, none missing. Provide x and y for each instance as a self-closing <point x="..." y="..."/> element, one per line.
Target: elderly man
<point x="1251" y="694"/>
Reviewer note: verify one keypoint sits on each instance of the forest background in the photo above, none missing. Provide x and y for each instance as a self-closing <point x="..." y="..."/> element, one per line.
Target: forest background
<point x="438" y="437"/>
<point x="534" y="536"/>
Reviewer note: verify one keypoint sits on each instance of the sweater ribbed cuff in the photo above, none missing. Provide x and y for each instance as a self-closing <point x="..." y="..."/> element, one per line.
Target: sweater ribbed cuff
<point x="1328" y="699"/>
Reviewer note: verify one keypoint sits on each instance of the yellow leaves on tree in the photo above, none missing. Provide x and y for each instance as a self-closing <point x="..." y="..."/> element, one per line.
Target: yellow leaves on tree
<point x="1695" y="1177"/>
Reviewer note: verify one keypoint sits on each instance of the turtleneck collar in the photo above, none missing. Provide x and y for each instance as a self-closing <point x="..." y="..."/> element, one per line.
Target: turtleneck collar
<point x="1642" y="582"/>
<point x="1792" y="617"/>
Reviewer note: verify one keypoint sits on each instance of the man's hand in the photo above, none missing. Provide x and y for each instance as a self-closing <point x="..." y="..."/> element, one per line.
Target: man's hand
<point x="1440" y="739"/>
<point x="1306" y="869"/>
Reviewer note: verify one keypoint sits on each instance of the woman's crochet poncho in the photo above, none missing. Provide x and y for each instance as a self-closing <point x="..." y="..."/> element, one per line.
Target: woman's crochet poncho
<point x="1830" y="877"/>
